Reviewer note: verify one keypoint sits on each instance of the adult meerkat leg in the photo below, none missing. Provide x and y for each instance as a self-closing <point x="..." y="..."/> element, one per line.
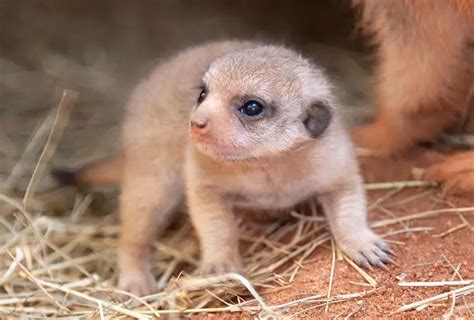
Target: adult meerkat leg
<point x="149" y="197"/>
<point x="346" y="211"/>
<point x="425" y="71"/>
<point x="216" y="227"/>
<point x="456" y="173"/>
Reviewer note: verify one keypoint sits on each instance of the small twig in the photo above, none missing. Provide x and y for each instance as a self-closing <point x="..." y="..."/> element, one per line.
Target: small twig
<point x="399" y="184"/>
<point x="384" y="198"/>
<point x="331" y="275"/>
<point x="455" y="269"/>
<point x="420" y="215"/>
<point x="456" y="272"/>
<point x="451" y="230"/>
<point x="436" y="283"/>
<point x="167" y="274"/>
<point x="364" y="274"/>
<point x="407" y="230"/>
<point x="451" y="309"/>
<point x="464" y="290"/>
<point x="307" y="218"/>
<point x="463" y="219"/>
<point x="101" y="311"/>
<point x="356" y="309"/>
<point x="11" y="269"/>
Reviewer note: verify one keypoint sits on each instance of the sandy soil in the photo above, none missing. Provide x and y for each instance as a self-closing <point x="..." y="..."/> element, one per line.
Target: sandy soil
<point x="430" y="255"/>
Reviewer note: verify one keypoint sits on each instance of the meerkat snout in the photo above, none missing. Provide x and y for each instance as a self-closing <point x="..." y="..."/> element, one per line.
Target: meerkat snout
<point x="198" y="124"/>
<point x="201" y="125"/>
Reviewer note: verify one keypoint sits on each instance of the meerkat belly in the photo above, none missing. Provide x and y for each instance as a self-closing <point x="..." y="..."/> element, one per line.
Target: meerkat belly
<point x="262" y="191"/>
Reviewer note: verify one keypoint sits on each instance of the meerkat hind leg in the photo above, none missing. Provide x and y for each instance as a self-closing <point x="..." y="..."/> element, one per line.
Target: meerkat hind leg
<point x="346" y="212"/>
<point x="147" y="202"/>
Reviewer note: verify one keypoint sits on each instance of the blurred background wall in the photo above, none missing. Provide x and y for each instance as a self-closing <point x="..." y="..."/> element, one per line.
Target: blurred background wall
<point x="103" y="48"/>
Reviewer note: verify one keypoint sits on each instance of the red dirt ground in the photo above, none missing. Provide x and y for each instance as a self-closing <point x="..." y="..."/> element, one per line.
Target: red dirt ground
<point x="422" y="256"/>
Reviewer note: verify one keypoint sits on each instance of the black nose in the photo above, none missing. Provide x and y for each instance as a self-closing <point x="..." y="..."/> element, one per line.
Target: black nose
<point x="199" y="124"/>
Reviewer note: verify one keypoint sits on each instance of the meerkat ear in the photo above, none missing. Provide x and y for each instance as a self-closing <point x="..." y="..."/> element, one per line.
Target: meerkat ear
<point x="318" y="118"/>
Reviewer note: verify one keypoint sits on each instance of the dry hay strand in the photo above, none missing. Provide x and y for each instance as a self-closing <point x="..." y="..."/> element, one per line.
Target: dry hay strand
<point x="65" y="266"/>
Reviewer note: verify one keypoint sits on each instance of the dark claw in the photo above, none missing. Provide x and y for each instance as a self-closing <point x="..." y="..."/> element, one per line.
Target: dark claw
<point x="391" y="252"/>
<point x="385" y="248"/>
<point x="363" y="261"/>
<point x="382" y="245"/>
<point x="393" y="261"/>
<point x="368" y="264"/>
<point x="385" y="259"/>
<point x="382" y="266"/>
<point x="382" y="255"/>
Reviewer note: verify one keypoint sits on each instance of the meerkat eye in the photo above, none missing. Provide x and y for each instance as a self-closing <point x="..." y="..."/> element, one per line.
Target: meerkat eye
<point x="202" y="95"/>
<point x="252" y="108"/>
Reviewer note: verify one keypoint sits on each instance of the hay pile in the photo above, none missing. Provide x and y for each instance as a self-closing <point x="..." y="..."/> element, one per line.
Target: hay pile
<point x="65" y="266"/>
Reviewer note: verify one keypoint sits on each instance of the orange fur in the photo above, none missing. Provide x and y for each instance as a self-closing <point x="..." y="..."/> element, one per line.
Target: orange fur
<point x="106" y="171"/>
<point x="425" y="76"/>
<point x="456" y="173"/>
<point x="465" y="7"/>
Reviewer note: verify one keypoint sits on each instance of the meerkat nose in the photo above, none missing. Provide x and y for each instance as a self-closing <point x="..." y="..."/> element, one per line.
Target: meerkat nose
<point x="201" y="124"/>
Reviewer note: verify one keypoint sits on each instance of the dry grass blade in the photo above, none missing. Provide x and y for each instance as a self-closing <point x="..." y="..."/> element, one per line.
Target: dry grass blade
<point x="353" y="312"/>
<point x="457" y="292"/>
<point x="38" y="283"/>
<point x="199" y="283"/>
<point x="436" y="283"/>
<point x="28" y="156"/>
<point x="59" y="124"/>
<point x="364" y="274"/>
<point x="86" y="297"/>
<point x="398" y="185"/>
<point x="25" y="213"/>
<point x="331" y="275"/>
<point x="451" y="230"/>
<point x="420" y="215"/>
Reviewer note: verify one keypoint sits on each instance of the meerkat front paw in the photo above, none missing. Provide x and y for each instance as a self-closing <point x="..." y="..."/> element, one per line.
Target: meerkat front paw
<point x="222" y="265"/>
<point x="138" y="283"/>
<point x="365" y="248"/>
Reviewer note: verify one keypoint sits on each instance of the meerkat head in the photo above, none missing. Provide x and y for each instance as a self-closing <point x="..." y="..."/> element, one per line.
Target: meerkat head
<point x="258" y="103"/>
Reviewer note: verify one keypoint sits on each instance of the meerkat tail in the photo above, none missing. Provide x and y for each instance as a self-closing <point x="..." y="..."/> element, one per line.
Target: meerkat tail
<point x="104" y="172"/>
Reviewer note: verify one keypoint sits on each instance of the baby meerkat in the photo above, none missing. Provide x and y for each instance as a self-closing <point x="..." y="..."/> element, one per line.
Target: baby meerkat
<point x="231" y="125"/>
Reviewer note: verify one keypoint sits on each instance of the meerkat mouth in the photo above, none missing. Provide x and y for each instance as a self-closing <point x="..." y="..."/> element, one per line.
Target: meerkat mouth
<point x="223" y="152"/>
<point x="232" y="154"/>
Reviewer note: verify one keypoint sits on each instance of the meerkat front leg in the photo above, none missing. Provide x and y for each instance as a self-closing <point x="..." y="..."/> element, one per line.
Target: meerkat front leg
<point x="346" y="210"/>
<point x="216" y="227"/>
<point x="149" y="197"/>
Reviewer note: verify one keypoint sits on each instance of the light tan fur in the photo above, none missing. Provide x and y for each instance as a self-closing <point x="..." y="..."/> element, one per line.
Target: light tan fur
<point x="425" y="78"/>
<point x="297" y="150"/>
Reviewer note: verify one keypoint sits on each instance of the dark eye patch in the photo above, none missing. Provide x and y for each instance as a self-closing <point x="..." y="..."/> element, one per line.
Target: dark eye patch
<point x="252" y="108"/>
<point x="202" y="95"/>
